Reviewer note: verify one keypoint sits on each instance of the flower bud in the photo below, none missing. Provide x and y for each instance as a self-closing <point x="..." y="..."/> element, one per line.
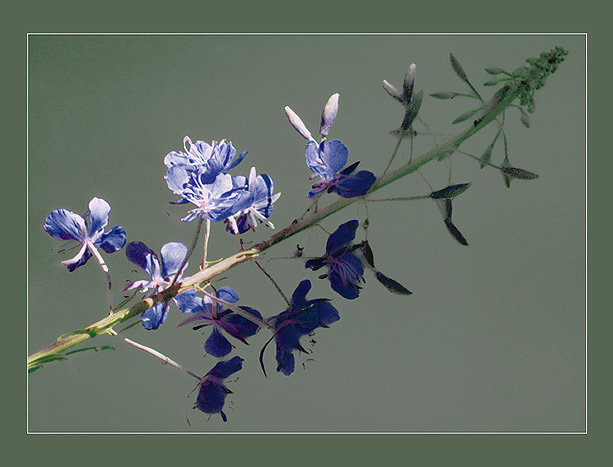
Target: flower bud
<point x="295" y="121"/>
<point x="328" y="115"/>
<point x="407" y="85"/>
<point x="392" y="91"/>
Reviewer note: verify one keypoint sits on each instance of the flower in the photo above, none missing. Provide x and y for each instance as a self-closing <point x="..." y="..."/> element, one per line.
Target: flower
<point x="301" y="318"/>
<point x="327" y="160"/>
<point x="214" y="201"/>
<point x="213" y="392"/>
<point x="260" y="189"/>
<point x="214" y="158"/>
<point x="207" y="312"/>
<point x="66" y="225"/>
<point x="162" y="275"/>
<point x="345" y="269"/>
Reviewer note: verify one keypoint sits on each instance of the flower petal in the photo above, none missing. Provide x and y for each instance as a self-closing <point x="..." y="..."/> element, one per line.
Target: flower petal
<point x="344" y="234"/>
<point x="172" y="254"/>
<point x="99" y="211"/>
<point x="227" y="294"/>
<point x="299" y="295"/>
<point x="217" y="345"/>
<point x="113" y="240"/>
<point x="154" y="316"/>
<point x="140" y="254"/>
<point x="188" y="302"/>
<point x="65" y="225"/>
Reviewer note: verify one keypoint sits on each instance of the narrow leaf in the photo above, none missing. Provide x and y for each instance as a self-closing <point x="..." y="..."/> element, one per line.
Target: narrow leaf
<point x="444" y="95"/>
<point x="494" y="71"/>
<point x="368" y="253"/>
<point x="455" y="233"/>
<point x="451" y="191"/>
<point x="391" y="285"/>
<point x="458" y="69"/>
<point x="521" y="174"/>
<point x="465" y="116"/>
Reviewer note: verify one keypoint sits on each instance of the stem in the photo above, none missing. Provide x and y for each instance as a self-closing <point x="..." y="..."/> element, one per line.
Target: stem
<point x="308" y="219"/>
<point x="164" y="359"/>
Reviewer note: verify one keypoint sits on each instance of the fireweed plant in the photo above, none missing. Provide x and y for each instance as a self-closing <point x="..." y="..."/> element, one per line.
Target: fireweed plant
<point x="201" y="178"/>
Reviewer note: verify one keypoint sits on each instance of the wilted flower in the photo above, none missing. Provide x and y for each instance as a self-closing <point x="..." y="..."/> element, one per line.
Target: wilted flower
<point x="213" y="392"/>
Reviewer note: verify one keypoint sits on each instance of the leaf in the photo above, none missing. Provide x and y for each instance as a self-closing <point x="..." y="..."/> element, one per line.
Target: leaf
<point x="521" y="174"/>
<point x="494" y="71"/>
<point x="455" y="233"/>
<point x="391" y="285"/>
<point x="368" y="253"/>
<point x="444" y="95"/>
<point x="451" y="191"/>
<point x="458" y="69"/>
<point x="466" y="115"/>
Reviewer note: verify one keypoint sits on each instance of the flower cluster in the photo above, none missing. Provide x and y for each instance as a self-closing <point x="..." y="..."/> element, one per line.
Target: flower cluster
<point x="199" y="176"/>
<point x="327" y="159"/>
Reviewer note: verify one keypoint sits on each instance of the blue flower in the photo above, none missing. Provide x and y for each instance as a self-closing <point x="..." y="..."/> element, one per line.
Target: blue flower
<point x="214" y="201"/>
<point x="345" y="269"/>
<point x="213" y="392"/>
<point x="327" y="160"/>
<point x="207" y="312"/>
<point x="66" y="225"/>
<point x="214" y="158"/>
<point x="162" y="275"/>
<point x="260" y="190"/>
<point x="301" y="318"/>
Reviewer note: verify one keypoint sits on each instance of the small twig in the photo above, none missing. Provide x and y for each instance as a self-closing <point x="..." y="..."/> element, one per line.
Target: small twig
<point x="273" y="283"/>
<point x="163" y="358"/>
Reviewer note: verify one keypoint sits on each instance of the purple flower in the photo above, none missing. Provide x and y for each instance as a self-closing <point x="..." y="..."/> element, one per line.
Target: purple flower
<point x="214" y="201"/>
<point x="327" y="160"/>
<point x="214" y="158"/>
<point x="260" y="191"/>
<point x="162" y="275"/>
<point x="66" y="225"/>
<point x="213" y="392"/>
<point x="300" y="319"/>
<point x="345" y="269"/>
<point x="207" y="312"/>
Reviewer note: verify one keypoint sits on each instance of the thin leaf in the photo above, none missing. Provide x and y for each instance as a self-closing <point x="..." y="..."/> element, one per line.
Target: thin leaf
<point x="391" y="285"/>
<point x="521" y="174"/>
<point x="466" y="115"/>
<point x="451" y="191"/>
<point x="368" y="253"/>
<point x="455" y="233"/>
<point x="462" y="74"/>
<point x="494" y="71"/>
<point x="444" y="95"/>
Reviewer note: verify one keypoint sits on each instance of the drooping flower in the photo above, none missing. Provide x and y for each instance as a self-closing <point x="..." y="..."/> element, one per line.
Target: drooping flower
<point x="214" y="201"/>
<point x="214" y="158"/>
<point x="260" y="188"/>
<point x="301" y="318"/>
<point x="162" y="275"/>
<point x="345" y="269"/>
<point x="88" y="231"/>
<point x="327" y="160"/>
<point x="213" y="392"/>
<point x="207" y="312"/>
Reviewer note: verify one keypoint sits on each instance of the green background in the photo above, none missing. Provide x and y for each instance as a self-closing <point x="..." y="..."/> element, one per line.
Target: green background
<point x="493" y="338"/>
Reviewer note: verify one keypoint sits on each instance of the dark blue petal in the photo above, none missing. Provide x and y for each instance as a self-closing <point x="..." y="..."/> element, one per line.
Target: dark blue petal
<point x="335" y="155"/>
<point x="224" y="369"/>
<point x="154" y="316"/>
<point x="172" y="254"/>
<point x="315" y="263"/>
<point x="342" y="236"/>
<point x="189" y="302"/>
<point x="99" y="211"/>
<point x="211" y="397"/>
<point x="140" y="254"/>
<point x="285" y="361"/>
<point x="177" y="177"/>
<point x="217" y="345"/>
<point x="227" y="294"/>
<point x="237" y="161"/>
<point x="82" y="260"/>
<point x="238" y="327"/>
<point x="113" y="240"/>
<point x="350" y="186"/>
<point x="299" y="295"/>
<point x="327" y="313"/>
<point x="65" y="225"/>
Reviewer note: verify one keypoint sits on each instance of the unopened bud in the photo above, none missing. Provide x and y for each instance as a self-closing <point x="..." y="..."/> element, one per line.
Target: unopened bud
<point x="328" y="115"/>
<point x="392" y="91"/>
<point x="298" y="125"/>
<point x="407" y="85"/>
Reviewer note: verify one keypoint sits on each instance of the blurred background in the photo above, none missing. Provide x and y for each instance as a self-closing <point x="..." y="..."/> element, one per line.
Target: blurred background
<point x="493" y="337"/>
